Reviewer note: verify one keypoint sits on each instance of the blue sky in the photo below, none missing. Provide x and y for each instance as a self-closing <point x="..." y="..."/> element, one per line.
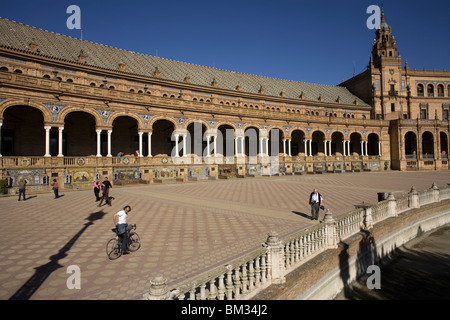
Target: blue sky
<point x="311" y="41"/>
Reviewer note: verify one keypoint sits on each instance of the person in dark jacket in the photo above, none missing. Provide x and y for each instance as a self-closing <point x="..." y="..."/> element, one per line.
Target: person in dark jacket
<point x="315" y="200"/>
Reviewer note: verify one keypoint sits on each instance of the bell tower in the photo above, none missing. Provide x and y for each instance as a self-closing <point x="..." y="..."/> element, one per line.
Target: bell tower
<point x="384" y="46"/>
<point x="388" y="81"/>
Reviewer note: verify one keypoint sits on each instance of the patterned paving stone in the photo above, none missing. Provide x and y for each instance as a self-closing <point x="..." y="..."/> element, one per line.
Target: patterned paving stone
<point x="185" y="229"/>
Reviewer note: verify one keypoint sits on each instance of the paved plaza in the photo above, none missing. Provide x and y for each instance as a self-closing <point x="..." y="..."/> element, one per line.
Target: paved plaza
<point x="185" y="229"/>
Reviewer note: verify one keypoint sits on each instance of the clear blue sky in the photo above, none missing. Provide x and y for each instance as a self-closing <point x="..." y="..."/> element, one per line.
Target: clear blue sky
<point x="311" y="41"/>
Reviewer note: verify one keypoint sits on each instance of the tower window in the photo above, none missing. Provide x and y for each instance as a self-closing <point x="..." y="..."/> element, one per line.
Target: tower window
<point x="440" y="90"/>
<point x="392" y="107"/>
<point x="430" y="90"/>
<point x="420" y="90"/>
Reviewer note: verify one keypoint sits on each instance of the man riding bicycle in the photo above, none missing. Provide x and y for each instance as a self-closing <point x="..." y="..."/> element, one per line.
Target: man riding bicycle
<point x="120" y="221"/>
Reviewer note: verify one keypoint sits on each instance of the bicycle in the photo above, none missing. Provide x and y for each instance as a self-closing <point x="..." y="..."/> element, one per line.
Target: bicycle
<point x="114" y="247"/>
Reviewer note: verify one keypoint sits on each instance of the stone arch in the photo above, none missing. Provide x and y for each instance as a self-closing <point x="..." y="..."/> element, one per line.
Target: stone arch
<point x="443" y="141"/>
<point x="318" y="138"/>
<point x="157" y="118"/>
<point x="79" y="134"/>
<point x="428" y="139"/>
<point x="410" y="139"/>
<point x="23" y="131"/>
<point x="190" y="121"/>
<point x="337" y="142"/>
<point x="355" y="139"/>
<point x="46" y="113"/>
<point x="296" y="129"/>
<point x="297" y="137"/>
<point x="115" y="115"/>
<point x="284" y="134"/>
<point x="373" y="140"/>
<point x="64" y="112"/>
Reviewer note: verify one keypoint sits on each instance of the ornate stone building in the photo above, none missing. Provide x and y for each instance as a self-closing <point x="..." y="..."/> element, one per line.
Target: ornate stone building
<point x="68" y="107"/>
<point x="416" y="103"/>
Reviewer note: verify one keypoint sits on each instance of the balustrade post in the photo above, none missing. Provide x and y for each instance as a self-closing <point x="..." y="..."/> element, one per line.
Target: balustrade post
<point x="229" y="284"/>
<point x="435" y="189"/>
<point x="367" y="219"/>
<point x="331" y="230"/>
<point x="392" y="205"/>
<point x="276" y="252"/>
<point x="158" y="289"/>
<point x="413" y="198"/>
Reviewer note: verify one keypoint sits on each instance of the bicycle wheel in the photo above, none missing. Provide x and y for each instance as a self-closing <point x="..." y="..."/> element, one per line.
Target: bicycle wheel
<point x="113" y="249"/>
<point x="134" y="242"/>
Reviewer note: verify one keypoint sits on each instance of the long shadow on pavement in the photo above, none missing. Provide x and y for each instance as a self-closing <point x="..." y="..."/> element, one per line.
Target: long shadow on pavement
<point x="44" y="271"/>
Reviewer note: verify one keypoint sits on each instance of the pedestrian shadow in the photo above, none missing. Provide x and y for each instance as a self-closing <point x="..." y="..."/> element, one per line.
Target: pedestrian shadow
<point x="44" y="271"/>
<point x="304" y="215"/>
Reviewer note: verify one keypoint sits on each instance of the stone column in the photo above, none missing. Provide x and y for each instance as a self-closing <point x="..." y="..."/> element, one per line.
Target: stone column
<point x="276" y="252"/>
<point x="260" y="146"/>
<point x="365" y="147"/>
<point x="305" y="143"/>
<point x="379" y="148"/>
<point x="109" y="143"/>
<point x="325" y="147"/>
<point x="208" y="151"/>
<point x="47" y="141"/>
<point x="176" y="145"/>
<point x="289" y="147"/>
<point x="310" y="148"/>
<point x="184" y="145"/>
<point x="99" y="132"/>
<point x="243" y="145"/>
<point x="150" y="144"/>
<point x="140" y="143"/>
<point x="60" y="141"/>
<point x="284" y="146"/>
<point x="1" y="139"/>
<point x="267" y="146"/>
<point x="343" y="148"/>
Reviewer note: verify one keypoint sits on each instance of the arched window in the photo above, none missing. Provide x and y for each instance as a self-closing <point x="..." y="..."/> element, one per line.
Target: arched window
<point x="430" y="90"/>
<point x="420" y="90"/>
<point x="440" y="90"/>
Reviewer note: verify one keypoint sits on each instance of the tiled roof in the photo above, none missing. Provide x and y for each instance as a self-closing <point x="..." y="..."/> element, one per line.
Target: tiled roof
<point x="18" y="36"/>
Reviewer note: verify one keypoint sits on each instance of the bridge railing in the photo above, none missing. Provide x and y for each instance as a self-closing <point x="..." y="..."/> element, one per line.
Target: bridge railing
<point x="248" y="275"/>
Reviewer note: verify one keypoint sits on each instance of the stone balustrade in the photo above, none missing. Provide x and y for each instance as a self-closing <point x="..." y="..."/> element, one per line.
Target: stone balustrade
<point x="250" y="274"/>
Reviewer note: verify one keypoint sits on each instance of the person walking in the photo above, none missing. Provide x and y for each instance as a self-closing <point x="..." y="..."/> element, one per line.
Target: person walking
<point x="22" y="186"/>
<point x="55" y="188"/>
<point x="315" y="200"/>
<point x="120" y="221"/>
<point x="97" y="187"/>
<point x="106" y="186"/>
